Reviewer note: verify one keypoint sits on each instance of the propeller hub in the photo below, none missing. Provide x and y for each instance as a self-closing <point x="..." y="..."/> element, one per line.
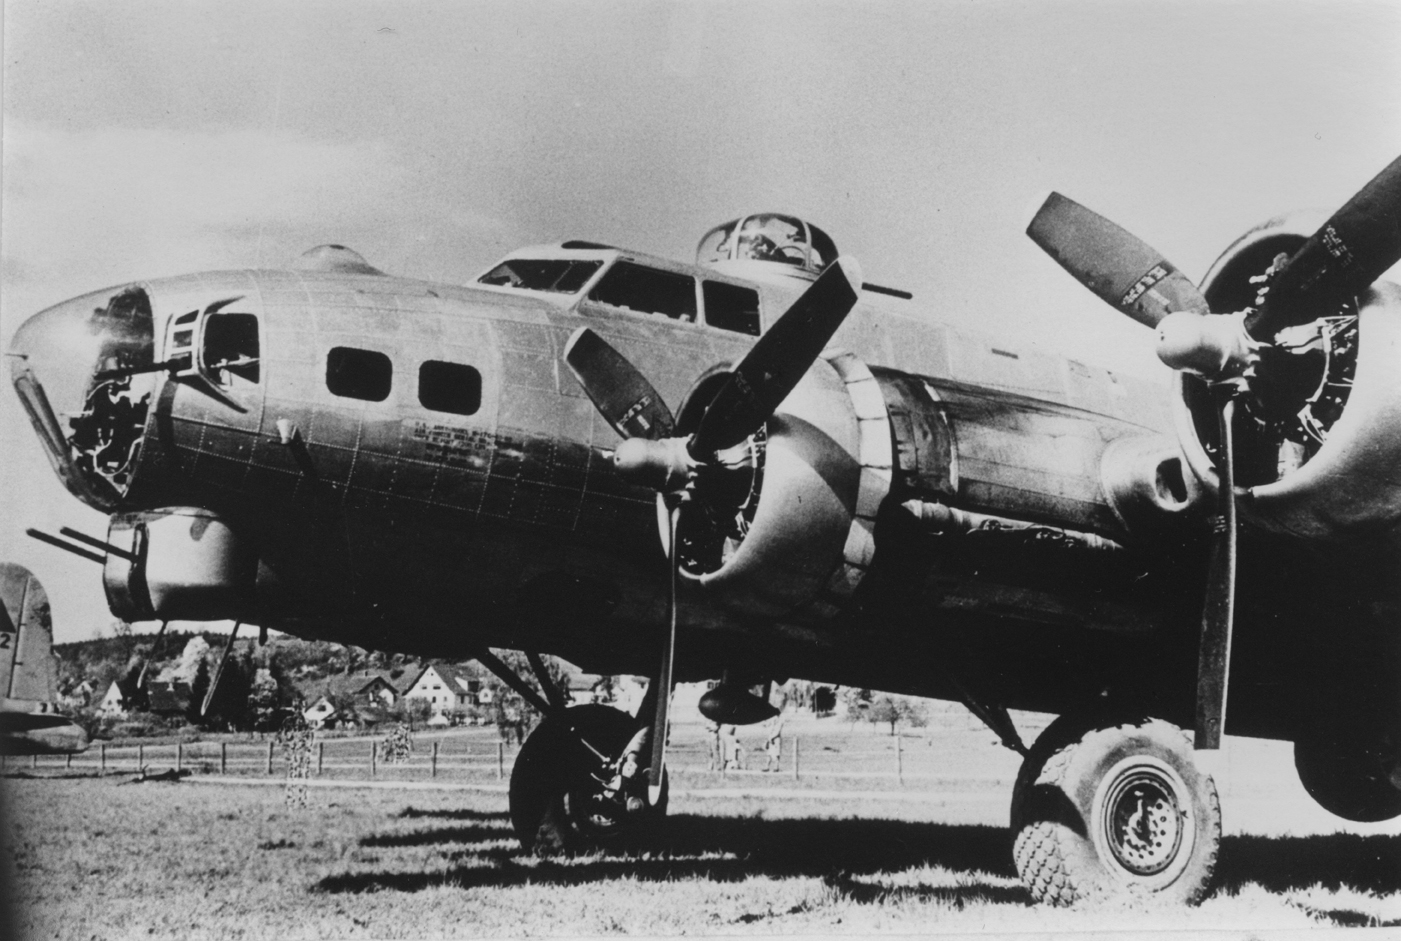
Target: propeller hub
<point x="1213" y="347"/>
<point x="663" y="464"/>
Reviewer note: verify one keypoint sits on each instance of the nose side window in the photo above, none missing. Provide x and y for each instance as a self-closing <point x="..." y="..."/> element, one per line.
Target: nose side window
<point x="449" y="387"/>
<point x="231" y="350"/>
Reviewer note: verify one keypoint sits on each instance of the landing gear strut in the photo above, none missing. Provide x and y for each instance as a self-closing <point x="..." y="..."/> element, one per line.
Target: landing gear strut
<point x="1103" y="809"/>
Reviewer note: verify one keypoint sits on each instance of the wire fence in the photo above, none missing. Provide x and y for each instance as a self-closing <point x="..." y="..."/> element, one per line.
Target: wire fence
<point x="895" y="758"/>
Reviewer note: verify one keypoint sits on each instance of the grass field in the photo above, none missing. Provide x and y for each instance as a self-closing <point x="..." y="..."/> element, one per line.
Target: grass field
<point x="105" y="858"/>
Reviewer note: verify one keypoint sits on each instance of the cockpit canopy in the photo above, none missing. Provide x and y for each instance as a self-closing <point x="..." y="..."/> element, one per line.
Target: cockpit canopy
<point x="768" y="237"/>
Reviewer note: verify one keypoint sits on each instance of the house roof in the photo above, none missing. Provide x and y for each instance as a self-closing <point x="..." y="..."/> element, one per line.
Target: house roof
<point x="458" y="678"/>
<point x="346" y="685"/>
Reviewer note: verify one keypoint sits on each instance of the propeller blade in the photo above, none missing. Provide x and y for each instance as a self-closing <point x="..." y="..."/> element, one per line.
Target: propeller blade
<point x="654" y="776"/>
<point x="1340" y="260"/>
<point x="1121" y="269"/>
<point x="616" y="387"/>
<point x="773" y="367"/>
<point x="1218" y="611"/>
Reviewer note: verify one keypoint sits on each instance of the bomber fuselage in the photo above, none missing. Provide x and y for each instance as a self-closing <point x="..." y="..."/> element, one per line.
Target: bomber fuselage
<point x="409" y="465"/>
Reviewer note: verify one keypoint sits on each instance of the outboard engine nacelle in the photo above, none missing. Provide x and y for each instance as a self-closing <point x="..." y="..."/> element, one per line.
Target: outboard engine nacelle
<point x="178" y="563"/>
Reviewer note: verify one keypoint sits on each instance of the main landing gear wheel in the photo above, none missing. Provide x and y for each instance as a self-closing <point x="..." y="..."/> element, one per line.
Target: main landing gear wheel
<point x="1102" y="810"/>
<point x="561" y="799"/>
<point x="1352" y="779"/>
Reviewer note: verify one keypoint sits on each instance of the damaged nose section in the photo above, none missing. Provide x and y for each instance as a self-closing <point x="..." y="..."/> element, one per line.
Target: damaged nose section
<point x="83" y="373"/>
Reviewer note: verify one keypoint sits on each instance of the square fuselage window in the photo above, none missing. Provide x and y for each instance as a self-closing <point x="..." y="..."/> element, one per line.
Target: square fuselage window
<point x="449" y="387"/>
<point x="359" y="374"/>
<point x="731" y="307"/>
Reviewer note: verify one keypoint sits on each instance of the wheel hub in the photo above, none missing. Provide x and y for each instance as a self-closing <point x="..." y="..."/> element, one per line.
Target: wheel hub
<point x="1143" y="822"/>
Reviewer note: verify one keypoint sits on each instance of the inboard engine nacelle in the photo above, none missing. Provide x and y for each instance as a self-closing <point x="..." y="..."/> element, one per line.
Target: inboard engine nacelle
<point x="849" y="439"/>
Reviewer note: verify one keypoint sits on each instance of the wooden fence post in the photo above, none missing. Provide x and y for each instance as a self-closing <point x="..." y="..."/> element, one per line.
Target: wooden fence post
<point x="899" y="762"/>
<point x="140" y="757"/>
<point x="223" y="757"/>
<point x="179" y="757"/>
<point x="433" y="762"/>
<point x="34" y="760"/>
<point x="269" y="756"/>
<point x="374" y="749"/>
<point x="320" y="757"/>
<point x="500" y="759"/>
<point x="795" y="757"/>
<point x="68" y="763"/>
<point x="102" y="758"/>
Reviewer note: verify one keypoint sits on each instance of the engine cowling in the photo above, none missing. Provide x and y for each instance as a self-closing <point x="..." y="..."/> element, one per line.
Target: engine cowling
<point x="820" y="470"/>
<point x="1334" y="476"/>
<point x="178" y="563"/>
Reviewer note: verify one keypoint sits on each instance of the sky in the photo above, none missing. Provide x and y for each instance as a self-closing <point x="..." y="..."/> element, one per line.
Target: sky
<point x="143" y="139"/>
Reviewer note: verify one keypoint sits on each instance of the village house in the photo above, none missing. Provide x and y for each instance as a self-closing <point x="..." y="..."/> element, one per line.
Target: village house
<point x="364" y="695"/>
<point x="168" y="698"/>
<point x="319" y="713"/>
<point x="446" y="688"/>
<point x="112" y="703"/>
<point x="162" y="697"/>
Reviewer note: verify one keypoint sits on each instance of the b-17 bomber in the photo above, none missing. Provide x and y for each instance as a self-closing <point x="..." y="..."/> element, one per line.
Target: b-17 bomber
<point x="757" y="467"/>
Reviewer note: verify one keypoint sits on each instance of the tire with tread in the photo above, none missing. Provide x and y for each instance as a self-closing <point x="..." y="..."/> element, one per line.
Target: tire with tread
<point x="1348" y="777"/>
<point x="1105" y="809"/>
<point x="553" y="784"/>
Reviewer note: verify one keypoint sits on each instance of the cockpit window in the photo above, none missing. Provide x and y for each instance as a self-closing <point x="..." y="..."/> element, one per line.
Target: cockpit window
<point x="731" y="307"/>
<point x="555" y="275"/>
<point x="646" y="290"/>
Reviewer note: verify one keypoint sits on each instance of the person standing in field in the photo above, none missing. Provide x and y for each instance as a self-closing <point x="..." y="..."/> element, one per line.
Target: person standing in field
<point x="712" y="741"/>
<point x="773" y="747"/>
<point x="734" y="753"/>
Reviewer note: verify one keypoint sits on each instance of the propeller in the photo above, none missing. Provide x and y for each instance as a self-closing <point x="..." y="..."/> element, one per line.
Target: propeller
<point x="1121" y="269"/>
<point x="1341" y="260"/>
<point x="1359" y="242"/>
<point x="650" y="454"/>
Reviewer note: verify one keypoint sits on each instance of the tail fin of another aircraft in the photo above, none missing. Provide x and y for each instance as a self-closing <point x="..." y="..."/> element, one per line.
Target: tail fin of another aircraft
<point x="29" y="719"/>
<point x="26" y="637"/>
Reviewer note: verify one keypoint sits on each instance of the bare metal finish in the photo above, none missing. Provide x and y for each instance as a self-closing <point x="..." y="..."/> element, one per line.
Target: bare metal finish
<point x="758" y="467"/>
